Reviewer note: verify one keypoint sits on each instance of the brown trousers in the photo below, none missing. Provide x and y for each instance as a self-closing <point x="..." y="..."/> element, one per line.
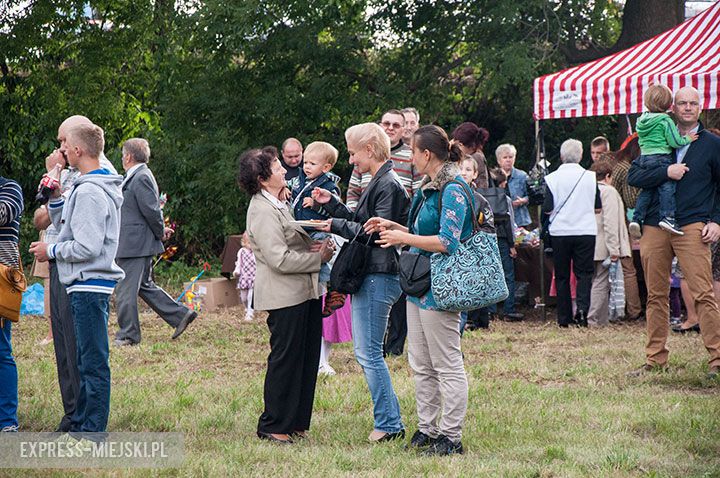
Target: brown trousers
<point x="632" y="293"/>
<point x="657" y="248"/>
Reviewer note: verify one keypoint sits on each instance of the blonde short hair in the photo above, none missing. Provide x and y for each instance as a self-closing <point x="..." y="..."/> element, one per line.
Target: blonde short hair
<point x="658" y="98"/>
<point x="470" y="160"/>
<point x="373" y="134"/>
<point x="326" y="150"/>
<point x="90" y="137"/>
<point x="505" y="148"/>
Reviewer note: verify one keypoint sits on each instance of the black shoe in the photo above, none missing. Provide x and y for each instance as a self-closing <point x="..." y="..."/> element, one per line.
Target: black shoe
<point x="646" y="369"/>
<point x="421" y="440"/>
<point x="270" y="438"/>
<point x="581" y="319"/>
<point x="123" y="343"/>
<point x="513" y="317"/>
<point x="391" y="436"/>
<point x="187" y="320"/>
<point x="714" y="372"/>
<point x="444" y="446"/>
<point x="680" y="330"/>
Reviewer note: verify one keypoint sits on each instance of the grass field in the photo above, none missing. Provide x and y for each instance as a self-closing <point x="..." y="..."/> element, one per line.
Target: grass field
<point x="544" y="402"/>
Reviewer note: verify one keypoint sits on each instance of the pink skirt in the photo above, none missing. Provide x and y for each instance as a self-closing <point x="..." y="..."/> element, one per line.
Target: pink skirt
<point x="573" y="284"/>
<point x="337" y="328"/>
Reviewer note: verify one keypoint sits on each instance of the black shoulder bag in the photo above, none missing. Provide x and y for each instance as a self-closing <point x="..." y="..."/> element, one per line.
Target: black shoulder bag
<point x="415" y="267"/>
<point x="348" y="272"/>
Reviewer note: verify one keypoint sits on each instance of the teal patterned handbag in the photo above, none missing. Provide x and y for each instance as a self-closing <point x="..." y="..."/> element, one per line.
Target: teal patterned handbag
<point x="472" y="277"/>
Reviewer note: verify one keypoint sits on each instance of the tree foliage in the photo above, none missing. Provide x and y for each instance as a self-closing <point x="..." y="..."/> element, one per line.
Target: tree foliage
<point x="204" y="80"/>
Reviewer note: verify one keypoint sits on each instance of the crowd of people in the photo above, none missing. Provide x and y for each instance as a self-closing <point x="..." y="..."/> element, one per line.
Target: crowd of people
<point x="408" y="190"/>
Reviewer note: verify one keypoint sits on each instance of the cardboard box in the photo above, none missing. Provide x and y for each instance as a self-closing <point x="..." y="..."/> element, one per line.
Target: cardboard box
<point x="215" y="293"/>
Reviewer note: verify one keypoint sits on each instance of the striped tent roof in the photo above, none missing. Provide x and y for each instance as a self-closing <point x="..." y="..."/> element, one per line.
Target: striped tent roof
<point x="687" y="55"/>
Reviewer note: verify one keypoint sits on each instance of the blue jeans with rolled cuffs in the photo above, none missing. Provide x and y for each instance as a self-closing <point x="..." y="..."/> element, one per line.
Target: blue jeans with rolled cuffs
<point x="370" y="310"/>
<point x="90" y="316"/>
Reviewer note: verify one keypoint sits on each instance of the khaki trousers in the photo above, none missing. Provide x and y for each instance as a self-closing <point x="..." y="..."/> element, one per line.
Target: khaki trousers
<point x="599" y="313"/>
<point x="657" y="248"/>
<point x="441" y="387"/>
<point x="632" y="292"/>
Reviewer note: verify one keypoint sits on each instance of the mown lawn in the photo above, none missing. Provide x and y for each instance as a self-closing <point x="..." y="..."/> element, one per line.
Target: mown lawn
<point x="544" y="402"/>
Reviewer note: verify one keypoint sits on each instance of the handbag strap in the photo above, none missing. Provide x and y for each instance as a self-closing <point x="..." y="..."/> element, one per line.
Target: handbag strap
<point x="555" y="213"/>
<point x="469" y="194"/>
<point x="414" y="214"/>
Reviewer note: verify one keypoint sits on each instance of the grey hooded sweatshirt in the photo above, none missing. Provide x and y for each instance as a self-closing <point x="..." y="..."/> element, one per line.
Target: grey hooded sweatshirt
<point x="88" y="225"/>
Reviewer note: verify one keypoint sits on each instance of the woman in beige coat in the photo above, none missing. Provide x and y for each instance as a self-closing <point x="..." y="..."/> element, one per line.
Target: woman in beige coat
<point x="612" y="242"/>
<point x="286" y="285"/>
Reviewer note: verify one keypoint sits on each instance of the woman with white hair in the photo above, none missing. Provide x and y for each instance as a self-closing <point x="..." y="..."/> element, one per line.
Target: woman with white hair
<point x="569" y="210"/>
<point x="516" y="183"/>
<point x="369" y="148"/>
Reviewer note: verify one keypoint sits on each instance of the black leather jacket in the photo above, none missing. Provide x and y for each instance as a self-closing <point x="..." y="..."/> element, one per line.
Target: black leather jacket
<point x="384" y="197"/>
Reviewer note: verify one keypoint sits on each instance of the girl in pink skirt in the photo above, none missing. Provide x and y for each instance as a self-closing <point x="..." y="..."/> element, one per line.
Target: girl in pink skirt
<point x="337" y="328"/>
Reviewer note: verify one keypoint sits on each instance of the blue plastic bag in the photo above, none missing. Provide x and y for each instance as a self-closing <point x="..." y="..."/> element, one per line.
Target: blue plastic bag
<point x="33" y="300"/>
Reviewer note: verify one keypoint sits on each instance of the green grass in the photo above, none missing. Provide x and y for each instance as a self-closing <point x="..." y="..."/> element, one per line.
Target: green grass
<point x="544" y="402"/>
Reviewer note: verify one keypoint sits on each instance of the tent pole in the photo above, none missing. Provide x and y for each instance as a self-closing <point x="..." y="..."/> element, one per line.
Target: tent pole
<point x="538" y="158"/>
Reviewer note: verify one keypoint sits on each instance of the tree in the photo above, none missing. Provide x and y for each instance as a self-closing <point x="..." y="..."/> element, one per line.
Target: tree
<point x="638" y="25"/>
<point x="205" y="80"/>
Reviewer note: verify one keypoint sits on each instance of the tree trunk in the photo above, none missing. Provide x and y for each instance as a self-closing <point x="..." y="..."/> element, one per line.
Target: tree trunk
<point x="642" y="20"/>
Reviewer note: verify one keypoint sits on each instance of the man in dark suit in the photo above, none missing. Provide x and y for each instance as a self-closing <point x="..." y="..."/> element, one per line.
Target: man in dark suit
<point x="142" y="231"/>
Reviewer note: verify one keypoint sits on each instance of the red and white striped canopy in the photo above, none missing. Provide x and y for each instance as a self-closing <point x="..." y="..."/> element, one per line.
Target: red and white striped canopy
<point x="687" y="55"/>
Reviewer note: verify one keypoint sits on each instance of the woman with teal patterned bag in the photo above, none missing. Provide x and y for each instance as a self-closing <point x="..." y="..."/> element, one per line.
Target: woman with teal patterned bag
<point x="433" y="335"/>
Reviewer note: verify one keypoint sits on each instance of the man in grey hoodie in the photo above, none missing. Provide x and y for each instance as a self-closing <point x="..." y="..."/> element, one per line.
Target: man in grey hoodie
<point x="88" y="225"/>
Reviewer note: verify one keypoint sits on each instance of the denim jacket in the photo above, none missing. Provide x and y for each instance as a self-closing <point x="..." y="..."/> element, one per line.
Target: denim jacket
<point x="452" y="224"/>
<point x="517" y="187"/>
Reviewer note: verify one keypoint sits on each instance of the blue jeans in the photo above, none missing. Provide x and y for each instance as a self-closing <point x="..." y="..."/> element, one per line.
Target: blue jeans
<point x="666" y="191"/>
<point x="90" y="314"/>
<point x="324" y="276"/>
<point x="370" y="310"/>
<point x="8" y="378"/>
<point x="509" y="270"/>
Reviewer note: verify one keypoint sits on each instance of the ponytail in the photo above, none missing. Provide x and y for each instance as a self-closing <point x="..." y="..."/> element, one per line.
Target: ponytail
<point x="455" y="154"/>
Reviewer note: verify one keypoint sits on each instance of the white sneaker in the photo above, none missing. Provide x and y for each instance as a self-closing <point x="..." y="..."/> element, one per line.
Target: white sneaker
<point x="635" y="230"/>
<point x="326" y="369"/>
<point x="248" y="318"/>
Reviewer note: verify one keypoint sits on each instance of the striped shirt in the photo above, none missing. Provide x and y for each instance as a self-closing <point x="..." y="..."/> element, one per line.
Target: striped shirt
<point x="401" y="156"/>
<point x="11" y="208"/>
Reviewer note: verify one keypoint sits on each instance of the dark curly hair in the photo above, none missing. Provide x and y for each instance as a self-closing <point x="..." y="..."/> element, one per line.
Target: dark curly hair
<point x="471" y="135"/>
<point x="254" y="165"/>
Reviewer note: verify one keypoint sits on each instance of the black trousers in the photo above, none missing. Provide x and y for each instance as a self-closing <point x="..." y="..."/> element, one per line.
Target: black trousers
<point x="63" y="329"/>
<point x="295" y="334"/>
<point x="397" y="327"/>
<point x="580" y="250"/>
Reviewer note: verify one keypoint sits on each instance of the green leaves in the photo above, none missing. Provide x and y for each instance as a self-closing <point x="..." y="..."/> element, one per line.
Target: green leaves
<point x="205" y="80"/>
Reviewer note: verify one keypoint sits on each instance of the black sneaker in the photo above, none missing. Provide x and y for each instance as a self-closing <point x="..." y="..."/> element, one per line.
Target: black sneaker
<point x="668" y="224"/>
<point x="581" y="319"/>
<point x="513" y="317"/>
<point x="421" y="440"/>
<point x="444" y="446"/>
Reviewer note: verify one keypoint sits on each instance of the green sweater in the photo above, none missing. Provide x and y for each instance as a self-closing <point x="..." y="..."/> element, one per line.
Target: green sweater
<point x="657" y="134"/>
